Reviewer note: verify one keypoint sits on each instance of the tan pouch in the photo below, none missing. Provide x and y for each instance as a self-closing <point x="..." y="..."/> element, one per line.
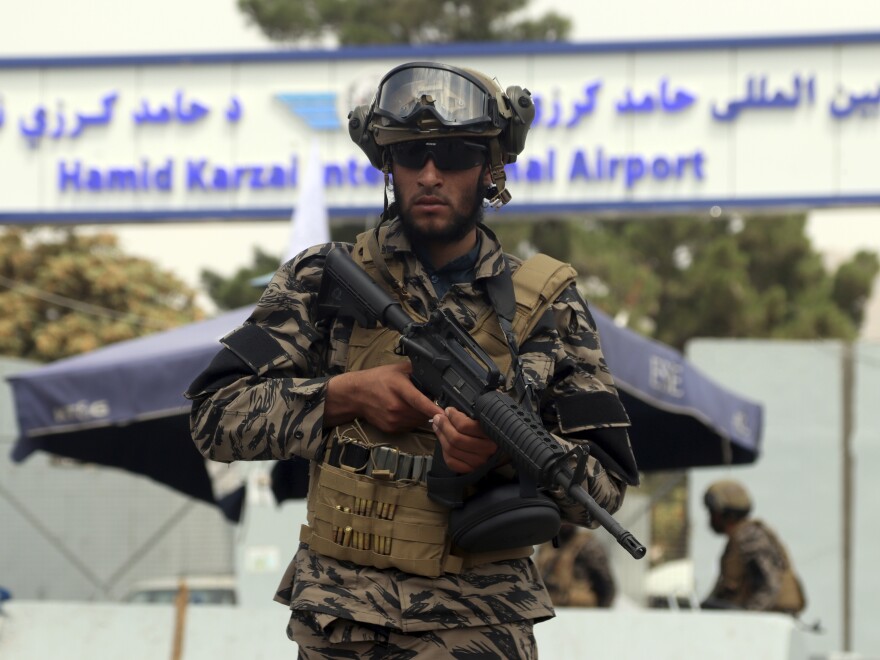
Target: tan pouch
<point x="378" y="523"/>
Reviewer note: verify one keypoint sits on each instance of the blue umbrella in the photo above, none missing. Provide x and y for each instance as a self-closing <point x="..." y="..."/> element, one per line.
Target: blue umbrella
<point x="123" y="406"/>
<point x="122" y="383"/>
<point x="680" y="417"/>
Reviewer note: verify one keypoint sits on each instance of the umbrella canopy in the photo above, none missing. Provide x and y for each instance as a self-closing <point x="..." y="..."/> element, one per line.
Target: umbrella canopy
<point x="123" y="406"/>
<point x="108" y="406"/>
<point x="680" y="417"/>
<point x="126" y="382"/>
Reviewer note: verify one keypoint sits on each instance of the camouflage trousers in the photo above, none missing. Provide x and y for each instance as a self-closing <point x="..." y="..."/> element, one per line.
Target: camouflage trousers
<point x="351" y="639"/>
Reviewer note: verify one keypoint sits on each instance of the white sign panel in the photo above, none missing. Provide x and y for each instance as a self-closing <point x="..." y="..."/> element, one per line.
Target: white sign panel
<point x="620" y="127"/>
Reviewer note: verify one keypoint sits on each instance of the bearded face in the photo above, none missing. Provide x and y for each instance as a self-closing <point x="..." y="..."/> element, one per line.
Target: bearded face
<point x="439" y="215"/>
<point x="439" y="186"/>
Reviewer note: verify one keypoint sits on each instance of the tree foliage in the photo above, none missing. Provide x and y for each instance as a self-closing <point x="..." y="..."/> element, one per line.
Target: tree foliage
<point x="674" y="278"/>
<point x="239" y="290"/>
<point x="64" y="293"/>
<point x="402" y="21"/>
<point x="678" y="278"/>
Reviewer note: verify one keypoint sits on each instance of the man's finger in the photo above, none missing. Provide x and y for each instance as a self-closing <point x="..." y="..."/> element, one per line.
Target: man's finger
<point x="464" y="424"/>
<point x="459" y="460"/>
<point x="424" y="405"/>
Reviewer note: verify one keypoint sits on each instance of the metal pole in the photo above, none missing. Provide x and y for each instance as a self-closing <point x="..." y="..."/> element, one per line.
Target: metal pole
<point x="848" y="385"/>
<point x="180" y="605"/>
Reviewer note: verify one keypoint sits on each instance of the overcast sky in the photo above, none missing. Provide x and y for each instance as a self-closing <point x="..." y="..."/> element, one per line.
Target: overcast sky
<point x="41" y="27"/>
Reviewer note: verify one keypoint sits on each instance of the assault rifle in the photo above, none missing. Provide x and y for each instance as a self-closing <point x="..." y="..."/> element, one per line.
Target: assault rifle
<point x="451" y="368"/>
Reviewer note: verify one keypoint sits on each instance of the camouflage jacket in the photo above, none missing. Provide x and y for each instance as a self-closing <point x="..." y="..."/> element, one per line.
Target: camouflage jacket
<point x="756" y="573"/>
<point x="267" y="403"/>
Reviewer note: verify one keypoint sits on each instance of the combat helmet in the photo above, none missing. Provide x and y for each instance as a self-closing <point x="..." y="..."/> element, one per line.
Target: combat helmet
<point x="424" y="100"/>
<point x="728" y="497"/>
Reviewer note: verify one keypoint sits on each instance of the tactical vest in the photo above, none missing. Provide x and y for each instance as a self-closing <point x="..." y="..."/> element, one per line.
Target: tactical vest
<point x="734" y="571"/>
<point x="393" y="523"/>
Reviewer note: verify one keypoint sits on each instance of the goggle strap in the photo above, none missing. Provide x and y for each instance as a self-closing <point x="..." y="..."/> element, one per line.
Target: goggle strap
<point x="385" y="192"/>
<point x="499" y="178"/>
<point x="386" y="172"/>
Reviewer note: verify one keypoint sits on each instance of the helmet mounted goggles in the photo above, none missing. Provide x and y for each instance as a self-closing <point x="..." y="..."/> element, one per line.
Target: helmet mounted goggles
<point x="430" y="101"/>
<point x="421" y="91"/>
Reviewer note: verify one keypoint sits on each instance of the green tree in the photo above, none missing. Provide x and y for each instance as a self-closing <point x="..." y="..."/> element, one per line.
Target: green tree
<point x="64" y="293"/>
<point x="239" y="290"/>
<point x="678" y="278"/>
<point x="402" y="21"/>
<point x="852" y="284"/>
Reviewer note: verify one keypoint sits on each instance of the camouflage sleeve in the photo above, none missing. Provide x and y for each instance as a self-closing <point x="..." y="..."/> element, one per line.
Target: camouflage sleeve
<point x="604" y="487"/>
<point x="580" y="404"/>
<point x="721" y="592"/>
<point x="271" y="405"/>
<point x="763" y="567"/>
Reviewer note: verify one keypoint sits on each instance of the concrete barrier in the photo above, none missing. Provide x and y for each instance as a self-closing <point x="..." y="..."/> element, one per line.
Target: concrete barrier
<point x="37" y="630"/>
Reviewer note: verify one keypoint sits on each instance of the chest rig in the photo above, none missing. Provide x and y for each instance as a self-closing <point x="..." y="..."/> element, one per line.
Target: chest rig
<point x="368" y="501"/>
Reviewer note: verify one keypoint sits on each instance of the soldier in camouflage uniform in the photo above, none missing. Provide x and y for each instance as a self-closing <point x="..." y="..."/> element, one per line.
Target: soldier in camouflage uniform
<point x="290" y="382"/>
<point x="577" y="573"/>
<point x="756" y="572"/>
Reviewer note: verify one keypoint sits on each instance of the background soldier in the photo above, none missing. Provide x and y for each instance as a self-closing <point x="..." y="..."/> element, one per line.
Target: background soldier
<point x="577" y="573"/>
<point x="756" y="572"/>
<point x="377" y="572"/>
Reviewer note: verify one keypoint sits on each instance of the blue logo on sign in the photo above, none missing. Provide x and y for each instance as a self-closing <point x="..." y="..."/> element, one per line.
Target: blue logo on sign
<point x="317" y="109"/>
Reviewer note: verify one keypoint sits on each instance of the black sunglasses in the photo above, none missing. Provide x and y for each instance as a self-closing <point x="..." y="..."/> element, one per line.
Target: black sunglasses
<point x="447" y="153"/>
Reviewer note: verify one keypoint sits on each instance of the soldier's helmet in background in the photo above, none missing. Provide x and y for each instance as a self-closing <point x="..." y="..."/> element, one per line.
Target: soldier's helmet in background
<point x="728" y="496"/>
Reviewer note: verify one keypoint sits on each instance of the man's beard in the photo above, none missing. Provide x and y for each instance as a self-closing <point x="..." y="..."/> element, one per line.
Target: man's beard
<point x="461" y="224"/>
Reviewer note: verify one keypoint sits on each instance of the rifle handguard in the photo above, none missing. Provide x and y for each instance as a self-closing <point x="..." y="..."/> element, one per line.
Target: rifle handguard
<point x="537" y="453"/>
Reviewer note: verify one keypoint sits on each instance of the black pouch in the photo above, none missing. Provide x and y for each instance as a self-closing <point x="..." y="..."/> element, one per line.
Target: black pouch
<point x="503" y="517"/>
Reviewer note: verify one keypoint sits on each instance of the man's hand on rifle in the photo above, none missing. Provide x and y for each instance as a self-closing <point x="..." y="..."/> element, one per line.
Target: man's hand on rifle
<point x="384" y="396"/>
<point x="465" y="446"/>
